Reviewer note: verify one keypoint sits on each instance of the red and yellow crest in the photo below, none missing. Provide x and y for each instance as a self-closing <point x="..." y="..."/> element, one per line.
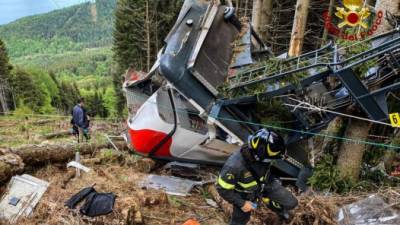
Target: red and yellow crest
<point x="353" y="14"/>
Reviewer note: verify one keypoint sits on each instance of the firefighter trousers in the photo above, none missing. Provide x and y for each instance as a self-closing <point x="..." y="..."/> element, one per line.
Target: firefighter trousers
<point x="279" y="199"/>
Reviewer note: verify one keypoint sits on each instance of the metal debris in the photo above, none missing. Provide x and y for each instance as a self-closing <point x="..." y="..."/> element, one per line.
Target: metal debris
<point x="78" y="166"/>
<point x="22" y="195"/>
<point x="369" y="211"/>
<point x="171" y="185"/>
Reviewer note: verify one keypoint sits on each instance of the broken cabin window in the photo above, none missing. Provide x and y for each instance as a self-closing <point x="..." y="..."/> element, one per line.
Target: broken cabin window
<point x="188" y="115"/>
<point x="164" y="106"/>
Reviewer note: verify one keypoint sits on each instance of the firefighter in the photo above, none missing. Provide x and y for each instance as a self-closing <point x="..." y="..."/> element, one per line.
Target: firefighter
<point x="245" y="179"/>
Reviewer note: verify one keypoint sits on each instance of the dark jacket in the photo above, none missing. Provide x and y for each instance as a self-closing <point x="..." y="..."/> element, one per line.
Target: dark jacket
<point x="235" y="183"/>
<point x="79" y="117"/>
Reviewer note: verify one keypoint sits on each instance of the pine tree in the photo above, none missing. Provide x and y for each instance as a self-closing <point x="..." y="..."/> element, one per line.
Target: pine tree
<point x="26" y="92"/>
<point x="140" y="28"/>
<point x="5" y="67"/>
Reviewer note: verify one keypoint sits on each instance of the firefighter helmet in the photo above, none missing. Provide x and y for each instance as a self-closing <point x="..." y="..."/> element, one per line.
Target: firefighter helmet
<point x="266" y="144"/>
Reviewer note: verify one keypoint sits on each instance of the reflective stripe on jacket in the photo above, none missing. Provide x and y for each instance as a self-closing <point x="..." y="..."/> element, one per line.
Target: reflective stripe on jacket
<point x="235" y="183"/>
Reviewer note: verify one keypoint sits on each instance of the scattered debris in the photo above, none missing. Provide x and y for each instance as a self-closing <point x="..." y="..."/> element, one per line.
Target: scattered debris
<point x="78" y="197"/>
<point x="184" y="170"/>
<point x="78" y="166"/>
<point x="369" y="211"/>
<point x="171" y="185"/>
<point x="111" y="142"/>
<point x="96" y="203"/>
<point x="212" y="203"/>
<point x="191" y="222"/>
<point x="22" y="195"/>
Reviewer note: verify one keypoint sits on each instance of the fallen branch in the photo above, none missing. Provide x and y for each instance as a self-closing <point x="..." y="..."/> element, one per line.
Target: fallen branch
<point x="41" y="122"/>
<point x="57" y="134"/>
<point x="70" y="174"/>
<point x="225" y="206"/>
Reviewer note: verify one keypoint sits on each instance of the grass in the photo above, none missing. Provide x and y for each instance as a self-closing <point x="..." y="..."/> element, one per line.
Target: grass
<point x="16" y="130"/>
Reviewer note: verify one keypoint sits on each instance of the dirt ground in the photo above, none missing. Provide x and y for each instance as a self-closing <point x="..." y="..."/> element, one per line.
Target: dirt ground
<point x="120" y="173"/>
<point x="155" y="206"/>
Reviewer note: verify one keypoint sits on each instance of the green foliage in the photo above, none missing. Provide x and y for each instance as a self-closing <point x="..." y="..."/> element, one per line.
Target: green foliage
<point x="94" y="61"/>
<point x="71" y="46"/>
<point x="110" y="102"/>
<point x="26" y="92"/>
<point x="357" y="48"/>
<point x="5" y="68"/>
<point x="326" y="177"/>
<point x="130" y="39"/>
<point x="75" y="28"/>
<point x="130" y="35"/>
<point x="22" y="111"/>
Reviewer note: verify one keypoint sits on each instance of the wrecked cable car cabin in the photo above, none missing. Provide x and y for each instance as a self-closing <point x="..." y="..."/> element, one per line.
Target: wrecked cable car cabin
<point x="178" y="116"/>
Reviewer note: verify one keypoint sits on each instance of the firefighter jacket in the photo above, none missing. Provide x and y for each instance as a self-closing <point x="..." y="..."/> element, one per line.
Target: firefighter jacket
<point x="236" y="184"/>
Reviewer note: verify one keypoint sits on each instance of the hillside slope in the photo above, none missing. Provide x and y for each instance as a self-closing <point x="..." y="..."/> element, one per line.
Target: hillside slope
<point x="74" y="28"/>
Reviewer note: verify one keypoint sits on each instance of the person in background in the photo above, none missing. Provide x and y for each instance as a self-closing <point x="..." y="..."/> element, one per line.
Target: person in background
<point x="80" y="121"/>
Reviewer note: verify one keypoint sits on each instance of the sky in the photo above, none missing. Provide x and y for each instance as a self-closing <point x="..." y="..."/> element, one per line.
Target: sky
<point x="11" y="10"/>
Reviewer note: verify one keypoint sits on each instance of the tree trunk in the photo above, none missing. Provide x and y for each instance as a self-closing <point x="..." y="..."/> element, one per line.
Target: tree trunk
<point x="299" y="27"/>
<point x="41" y="154"/>
<point x="256" y="15"/>
<point x="335" y="128"/>
<point x="393" y="6"/>
<point x="15" y="160"/>
<point x="326" y="32"/>
<point x="148" y="36"/>
<point x="266" y="19"/>
<point x="261" y="17"/>
<point x="3" y="97"/>
<point x="351" y="153"/>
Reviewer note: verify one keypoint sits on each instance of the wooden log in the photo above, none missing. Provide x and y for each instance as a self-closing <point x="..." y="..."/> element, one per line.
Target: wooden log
<point x="14" y="161"/>
<point x="10" y="164"/>
<point x="57" y="134"/>
<point x="42" y="122"/>
<point x="261" y="17"/>
<point x="256" y="15"/>
<point x="41" y="154"/>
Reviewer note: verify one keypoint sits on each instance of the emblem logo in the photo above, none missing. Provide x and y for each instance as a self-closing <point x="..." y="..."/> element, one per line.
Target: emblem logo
<point x="354" y="14"/>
